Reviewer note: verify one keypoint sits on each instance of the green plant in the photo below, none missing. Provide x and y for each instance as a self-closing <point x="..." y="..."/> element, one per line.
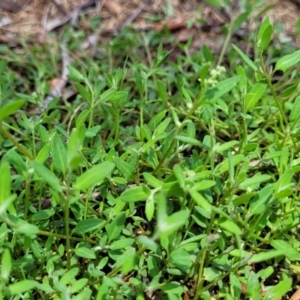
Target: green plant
<point x="162" y="179"/>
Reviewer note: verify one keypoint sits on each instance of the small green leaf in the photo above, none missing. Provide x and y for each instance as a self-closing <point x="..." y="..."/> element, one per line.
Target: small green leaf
<point x="287" y="61"/>
<point x="221" y="88"/>
<point x="79" y="285"/>
<point x="22" y="226"/>
<point x="121" y="244"/>
<point x="16" y="161"/>
<point x="289" y="251"/>
<point x="265" y="34"/>
<point x="240" y="20"/>
<point x="161" y="128"/>
<point x="280" y="289"/>
<point x="161" y="89"/>
<point x="134" y="194"/>
<point x="47" y="175"/>
<point x="200" y="200"/>
<point x="294" y="115"/>
<point x="73" y="155"/>
<point x="107" y="95"/>
<point x="115" y="228"/>
<point x="21" y="287"/>
<point x="87" y="225"/>
<point x="95" y="175"/>
<point x="172" y="288"/>
<point x="245" y="58"/>
<point x="43" y="154"/>
<point x="149" y="208"/>
<point x="264" y="256"/>
<point x="69" y="276"/>
<point x="188" y="140"/>
<point x="254" y="181"/>
<point x="229" y="226"/>
<point x="153" y="181"/>
<point x="179" y="175"/>
<point x="5" y="179"/>
<point x="6" y="264"/>
<point x="261" y="200"/>
<point x="125" y="168"/>
<point x="256" y="92"/>
<point x="85" y="252"/>
<point x="74" y="74"/>
<point x="172" y="223"/>
<point x="85" y="94"/>
<point x="224" y="166"/>
<point x="224" y="147"/>
<point x="59" y="154"/>
<point x="10" y="108"/>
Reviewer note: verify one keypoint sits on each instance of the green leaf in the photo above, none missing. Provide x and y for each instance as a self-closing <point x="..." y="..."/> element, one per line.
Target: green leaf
<point x="125" y="168"/>
<point x="203" y="185"/>
<point x="95" y="175"/>
<point x="74" y="74"/>
<point x="73" y="155"/>
<point x="6" y="264"/>
<point x="289" y="251"/>
<point x="134" y="194"/>
<point x="16" y="161"/>
<point x="245" y="58"/>
<point x="229" y="226"/>
<point x="215" y="3"/>
<point x="149" y="208"/>
<point x="224" y="147"/>
<point x="22" y="226"/>
<point x="254" y="181"/>
<point x="256" y="92"/>
<point x="294" y="115"/>
<point x="265" y="34"/>
<point x="161" y="128"/>
<point x="188" y="140"/>
<point x="287" y="61"/>
<point x="264" y="256"/>
<point x="10" y="108"/>
<point x="279" y="290"/>
<point x="224" y="166"/>
<point x="121" y="244"/>
<point x="161" y="89"/>
<point x="47" y="175"/>
<point x="59" y="154"/>
<point x="261" y="200"/>
<point x="5" y="179"/>
<point x="201" y="201"/>
<point x="21" y="287"/>
<point x="115" y="228"/>
<point x="172" y="288"/>
<point x="107" y="95"/>
<point x="172" y="223"/>
<point x="129" y="261"/>
<point x="79" y="285"/>
<point x="153" y="181"/>
<point x="221" y="88"/>
<point x="69" y="276"/>
<point x="85" y="252"/>
<point x="181" y="259"/>
<point x="43" y="154"/>
<point x="87" y="225"/>
<point x="179" y="175"/>
<point x="240" y="20"/>
<point x="85" y="94"/>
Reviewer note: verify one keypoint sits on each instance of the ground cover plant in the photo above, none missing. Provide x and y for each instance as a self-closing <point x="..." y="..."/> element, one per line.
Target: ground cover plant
<point x="160" y="178"/>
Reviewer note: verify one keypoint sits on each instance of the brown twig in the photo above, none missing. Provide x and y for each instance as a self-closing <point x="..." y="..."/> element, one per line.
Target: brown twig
<point x="135" y="14"/>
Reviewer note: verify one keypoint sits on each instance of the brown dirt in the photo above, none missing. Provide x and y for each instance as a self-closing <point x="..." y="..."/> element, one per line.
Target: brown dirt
<point x="35" y="19"/>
